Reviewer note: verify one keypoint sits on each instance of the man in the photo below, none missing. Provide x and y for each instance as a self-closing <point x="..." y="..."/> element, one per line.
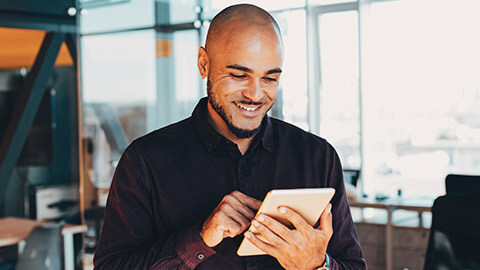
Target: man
<point x="183" y="196"/>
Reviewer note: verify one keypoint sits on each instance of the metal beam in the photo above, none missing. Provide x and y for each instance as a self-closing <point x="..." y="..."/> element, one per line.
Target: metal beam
<point x="72" y="48"/>
<point x="170" y="28"/>
<point x="12" y="19"/>
<point x="316" y="10"/>
<point x="27" y="106"/>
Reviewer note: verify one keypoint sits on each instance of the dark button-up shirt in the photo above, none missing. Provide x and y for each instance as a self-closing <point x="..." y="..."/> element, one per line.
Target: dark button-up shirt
<point x="169" y="181"/>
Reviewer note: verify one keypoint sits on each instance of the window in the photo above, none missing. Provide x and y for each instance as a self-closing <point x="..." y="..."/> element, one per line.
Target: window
<point x="292" y="98"/>
<point x="339" y="93"/>
<point x="422" y="95"/>
<point x="419" y="93"/>
<point x="393" y="85"/>
<point x="119" y="91"/>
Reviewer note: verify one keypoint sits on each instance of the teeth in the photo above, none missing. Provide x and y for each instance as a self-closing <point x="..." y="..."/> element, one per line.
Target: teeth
<point x="246" y="108"/>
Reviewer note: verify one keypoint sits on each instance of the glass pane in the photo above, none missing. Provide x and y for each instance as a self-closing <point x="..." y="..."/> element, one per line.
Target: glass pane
<point x="180" y="10"/>
<point x="119" y="89"/>
<point x="117" y="15"/>
<point x="177" y="96"/>
<point x="133" y="83"/>
<point x="423" y="97"/>
<point x="119" y="68"/>
<point x="339" y="99"/>
<point x="291" y="103"/>
<point x="185" y="52"/>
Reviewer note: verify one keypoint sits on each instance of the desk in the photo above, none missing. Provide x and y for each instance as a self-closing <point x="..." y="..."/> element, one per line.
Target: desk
<point x="418" y="205"/>
<point x="13" y="230"/>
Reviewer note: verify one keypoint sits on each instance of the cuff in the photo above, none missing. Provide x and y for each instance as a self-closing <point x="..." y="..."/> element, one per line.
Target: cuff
<point x="191" y="247"/>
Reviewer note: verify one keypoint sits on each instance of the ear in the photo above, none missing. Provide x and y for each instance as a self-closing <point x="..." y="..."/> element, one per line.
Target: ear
<point x="203" y="62"/>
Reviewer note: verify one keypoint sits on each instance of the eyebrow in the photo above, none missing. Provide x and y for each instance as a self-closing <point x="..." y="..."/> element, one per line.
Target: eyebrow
<point x="245" y="69"/>
<point x="275" y="70"/>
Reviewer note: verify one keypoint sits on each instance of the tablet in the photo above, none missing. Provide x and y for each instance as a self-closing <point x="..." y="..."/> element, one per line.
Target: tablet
<point x="308" y="202"/>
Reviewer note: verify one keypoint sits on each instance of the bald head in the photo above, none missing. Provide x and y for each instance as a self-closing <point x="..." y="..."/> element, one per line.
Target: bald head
<point x="234" y="19"/>
<point x="242" y="62"/>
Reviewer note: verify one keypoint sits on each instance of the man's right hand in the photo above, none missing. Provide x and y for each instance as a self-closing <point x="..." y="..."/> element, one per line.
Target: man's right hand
<point x="231" y="218"/>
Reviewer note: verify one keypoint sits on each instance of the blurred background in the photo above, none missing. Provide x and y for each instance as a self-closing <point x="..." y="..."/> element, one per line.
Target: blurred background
<point x="393" y="84"/>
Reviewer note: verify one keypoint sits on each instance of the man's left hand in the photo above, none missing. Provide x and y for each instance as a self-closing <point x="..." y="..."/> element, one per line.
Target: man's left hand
<point x="301" y="248"/>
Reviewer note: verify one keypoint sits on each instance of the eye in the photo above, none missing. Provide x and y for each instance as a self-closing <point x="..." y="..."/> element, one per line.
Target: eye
<point x="238" y="76"/>
<point x="270" y="79"/>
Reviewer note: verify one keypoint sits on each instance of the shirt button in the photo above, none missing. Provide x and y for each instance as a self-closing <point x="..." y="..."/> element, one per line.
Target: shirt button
<point x="200" y="256"/>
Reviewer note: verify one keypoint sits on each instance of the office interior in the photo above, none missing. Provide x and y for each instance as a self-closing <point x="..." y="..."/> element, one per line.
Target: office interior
<point x="393" y="85"/>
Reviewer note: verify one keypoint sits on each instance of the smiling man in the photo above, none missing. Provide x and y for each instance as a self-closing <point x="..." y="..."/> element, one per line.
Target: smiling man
<point x="242" y="60"/>
<point x="183" y="196"/>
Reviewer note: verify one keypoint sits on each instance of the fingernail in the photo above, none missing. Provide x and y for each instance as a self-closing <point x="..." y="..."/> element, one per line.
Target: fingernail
<point x="282" y="210"/>
<point x="261" y="218"/>
<point x="255" y="223"/>
<point x="329" y="207"/>
<point x="248" y="234"/>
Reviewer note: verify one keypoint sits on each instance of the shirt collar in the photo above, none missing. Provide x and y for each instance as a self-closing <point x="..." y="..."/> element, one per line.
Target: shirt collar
<point x="211" y="138"/>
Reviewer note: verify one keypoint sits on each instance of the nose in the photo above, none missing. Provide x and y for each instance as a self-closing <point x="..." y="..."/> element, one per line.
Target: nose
<point x="254" y="91"/>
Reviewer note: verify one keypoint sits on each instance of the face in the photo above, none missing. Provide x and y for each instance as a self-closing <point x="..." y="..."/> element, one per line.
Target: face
<point x="243" y="77"/>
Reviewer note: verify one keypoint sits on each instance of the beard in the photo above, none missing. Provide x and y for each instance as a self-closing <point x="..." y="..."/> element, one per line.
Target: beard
<point x="238" y="132"/>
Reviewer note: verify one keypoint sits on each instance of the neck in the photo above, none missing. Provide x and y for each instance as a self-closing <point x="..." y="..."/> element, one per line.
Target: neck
<point x="221" y="127"/>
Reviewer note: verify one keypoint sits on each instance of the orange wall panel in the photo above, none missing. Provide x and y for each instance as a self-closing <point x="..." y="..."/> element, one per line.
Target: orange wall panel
<point x="19" y="48"/>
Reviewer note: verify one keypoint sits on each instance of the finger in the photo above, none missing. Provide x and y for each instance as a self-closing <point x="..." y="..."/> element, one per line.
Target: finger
<point x="326" y="219"/>
<point x="276" y="227"/>
<point x="247" y="200"/>
<point x="238" y="206"/>
<point x="227" y="225"/>
<point x="229" y="212"/>
<point x="273" y="238"/>
<point x="262" y="245"/>
<point x="298" y="222"/>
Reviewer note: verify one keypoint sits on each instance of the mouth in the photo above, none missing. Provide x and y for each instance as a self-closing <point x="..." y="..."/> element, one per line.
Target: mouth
<point x="248" y="108"/>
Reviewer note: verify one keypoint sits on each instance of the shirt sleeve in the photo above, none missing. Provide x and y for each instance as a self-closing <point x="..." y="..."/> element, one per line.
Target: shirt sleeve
<point x="344" y="248"/>
<point x="133" y="237"/>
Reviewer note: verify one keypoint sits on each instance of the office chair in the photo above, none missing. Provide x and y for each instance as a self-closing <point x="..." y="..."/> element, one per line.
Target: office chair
<point x="454" y="242"/>
<point x="42" y="249"/>
<point x="462" y="184"/>
<point x="351" y="176"/>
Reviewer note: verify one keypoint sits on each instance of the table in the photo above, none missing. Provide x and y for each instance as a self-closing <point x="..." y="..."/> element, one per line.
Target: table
<point x="13" y="230"/>
<point x="390" y="205"/>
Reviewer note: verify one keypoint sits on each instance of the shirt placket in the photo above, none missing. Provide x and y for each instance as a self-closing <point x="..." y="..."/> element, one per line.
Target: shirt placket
<point x="244" y="185"/>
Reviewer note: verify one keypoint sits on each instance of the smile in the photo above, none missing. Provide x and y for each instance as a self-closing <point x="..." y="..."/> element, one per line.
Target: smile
<point x="248" y="109"/>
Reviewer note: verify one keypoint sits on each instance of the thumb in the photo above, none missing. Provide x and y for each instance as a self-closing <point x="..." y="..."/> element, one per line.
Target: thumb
<point x="212" y="236"/>
<point x="326" y="219"/>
